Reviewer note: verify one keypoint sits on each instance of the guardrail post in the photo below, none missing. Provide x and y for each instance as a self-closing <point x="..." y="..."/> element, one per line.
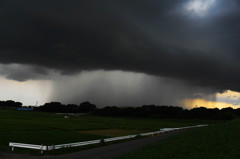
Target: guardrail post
<point x="12" y="148"/>
<point x="42" y="149"/>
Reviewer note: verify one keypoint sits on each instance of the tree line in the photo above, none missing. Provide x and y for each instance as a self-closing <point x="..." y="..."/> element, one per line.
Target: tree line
<point x="10" y="104"/>
<point x="57" y="107"/>
<point x="151" y="111"/>
<point x="170" y="112"/>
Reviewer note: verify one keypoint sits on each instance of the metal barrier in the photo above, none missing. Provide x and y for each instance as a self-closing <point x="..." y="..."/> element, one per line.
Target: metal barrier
<point x="28" y="146"/>
<point x="55" y="147"/>
<point x="74" y="144"/>
<point x="119" y="138"/>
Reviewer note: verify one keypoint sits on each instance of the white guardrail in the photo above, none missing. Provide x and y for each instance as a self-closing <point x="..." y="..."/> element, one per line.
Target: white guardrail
<point x="55" y="147"/>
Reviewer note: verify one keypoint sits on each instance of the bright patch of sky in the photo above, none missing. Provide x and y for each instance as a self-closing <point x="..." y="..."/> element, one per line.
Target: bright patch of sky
<point x="221" y="100"/>
<point x="200" y="7"/>
<point x="29" y="92"/>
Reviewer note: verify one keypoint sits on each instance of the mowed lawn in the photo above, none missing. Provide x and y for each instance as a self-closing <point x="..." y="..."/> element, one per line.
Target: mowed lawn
<point x="219" y="141"/>
<point x="50" y="128"/>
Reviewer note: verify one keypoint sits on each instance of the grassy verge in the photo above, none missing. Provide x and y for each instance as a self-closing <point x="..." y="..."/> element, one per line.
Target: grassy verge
<point x="213" y="142"/>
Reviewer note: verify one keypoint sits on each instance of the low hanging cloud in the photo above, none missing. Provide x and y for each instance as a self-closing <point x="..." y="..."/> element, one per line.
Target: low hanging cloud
<point x="20" y="72"/>
<point x="154" y="37"/>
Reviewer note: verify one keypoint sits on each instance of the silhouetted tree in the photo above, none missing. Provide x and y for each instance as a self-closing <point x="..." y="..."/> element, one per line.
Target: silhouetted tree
<point x="87" y="107"/>
<point x="10" y="104"/>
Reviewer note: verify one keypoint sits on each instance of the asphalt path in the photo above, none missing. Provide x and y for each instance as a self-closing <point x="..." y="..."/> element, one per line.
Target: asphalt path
<point x="106" y="152"/>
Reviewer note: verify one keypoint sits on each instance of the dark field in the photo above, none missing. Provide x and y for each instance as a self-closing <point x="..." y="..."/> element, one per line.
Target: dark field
<point x="48" y="128"/>
<point x="213" y="142"/>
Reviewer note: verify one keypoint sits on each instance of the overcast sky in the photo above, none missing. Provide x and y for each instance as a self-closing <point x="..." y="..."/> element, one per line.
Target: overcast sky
<point x="120" y="52"/>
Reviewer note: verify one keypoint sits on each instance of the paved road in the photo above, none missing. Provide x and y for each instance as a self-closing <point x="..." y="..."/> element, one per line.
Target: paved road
<point x="106" y="152"/>
<point x="5" y="155"/>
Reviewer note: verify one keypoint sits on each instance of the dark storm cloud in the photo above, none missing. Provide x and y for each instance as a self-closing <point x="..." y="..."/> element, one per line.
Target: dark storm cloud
<point x="150" y="36"/>
<point x="23" y="72"/>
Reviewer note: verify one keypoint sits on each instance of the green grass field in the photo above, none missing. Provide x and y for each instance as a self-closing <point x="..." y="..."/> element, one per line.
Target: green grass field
<point x="49" y="128"/>
<point x="218" y="141"/>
